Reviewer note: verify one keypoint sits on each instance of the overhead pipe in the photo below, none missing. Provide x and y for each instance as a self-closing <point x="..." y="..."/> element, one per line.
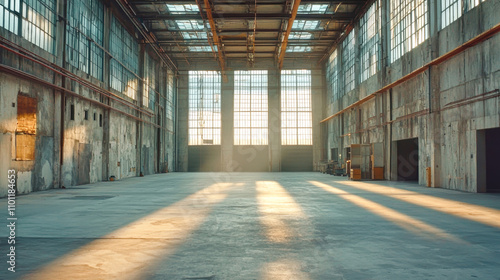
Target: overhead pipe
<point x="22" y="74"/>
<point x="79" y="80"/>
<point x="71" y="76"/>
<point x="295" y="9"/>
<point x="474" y="41"/>
<point x="150" y="39"/>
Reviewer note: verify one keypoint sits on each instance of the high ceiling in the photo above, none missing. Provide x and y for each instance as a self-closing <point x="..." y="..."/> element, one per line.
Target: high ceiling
<point x="246" y="29"/>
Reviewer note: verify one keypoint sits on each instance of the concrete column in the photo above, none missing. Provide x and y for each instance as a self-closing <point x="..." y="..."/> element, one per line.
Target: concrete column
<point x="317" y="92"/>
<point x="182" y="121"/>
<point x="139" y="124"/>
<point x="227" y="129"/>
<point x="59" y="96"/>
<point x="434" y="119"/>
<point x="385" y="52"/>
<point x="274" y="103"/>
<point x="106" y="112"/>
<point x="434" y="126"/>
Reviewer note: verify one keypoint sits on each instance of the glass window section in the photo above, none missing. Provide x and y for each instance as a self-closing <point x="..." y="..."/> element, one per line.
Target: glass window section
<point x="39" y="23"/>
<point x="124" y="64"/>
<point x="369" y="36"/>
<point x="10" y="15"/>
<point x="182" y="8"/>
<point x="333" y="77"/>
<point x="170" y="100"/>
<point x="409" y="25"/>
<point x="470" y="4"/>
<point x="451" y="10"/>
<point x="250" y="107"/>
<point x="313" y="8"/>
<point x="34" y="20"/>
<point x="305" y="24"/>
<point x="296" y="109"/>
<point x="298" y="49"/>
<point x="84" y="36"/>
<point x="204" y="108"/>
<point x="149" y="91"/>
<point x="348" y="60"/>
<point x="300" y="35"/>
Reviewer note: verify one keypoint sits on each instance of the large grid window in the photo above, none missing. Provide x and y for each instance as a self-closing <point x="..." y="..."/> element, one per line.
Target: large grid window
<point x="250" y="108"/>
<point x="333" y="77"/>
<point x="84" y="36"/>
<point x="409" y="26"/>
<point x="370" y="40"/>
<point x="296" y="109"/>
<point x="170" y="100"/>
<point x="34" y="20"/>
<point x="124" y="64"/>
<point x="451" y="10"/>
<point x="469" y="4"/>
<point x="204" y="108"/>
<point x="348" y="59"/>
<point x="149" y="93"/>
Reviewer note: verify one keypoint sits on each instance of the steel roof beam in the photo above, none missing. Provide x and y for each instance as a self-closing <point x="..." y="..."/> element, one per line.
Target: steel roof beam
<point x="248" y="30"/>
<point x="345" y="17"/>
<point x="274" y="2"/>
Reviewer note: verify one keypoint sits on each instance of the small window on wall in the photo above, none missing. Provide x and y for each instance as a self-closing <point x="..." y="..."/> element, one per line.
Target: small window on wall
<point x="26" y="128"/>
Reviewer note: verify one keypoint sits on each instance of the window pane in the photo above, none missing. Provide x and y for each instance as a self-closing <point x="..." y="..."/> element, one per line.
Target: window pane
<point x="296" y="110"/>
<point x="204" y="108"/>
<point x="250" y="108"/>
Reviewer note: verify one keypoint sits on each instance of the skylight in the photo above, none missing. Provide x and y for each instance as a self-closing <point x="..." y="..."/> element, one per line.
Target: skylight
<point x="313" y="9"/>
<point x="194" y="29"/>
<point x="298" y="49"/>
<point x="182" y="8"/>
<point x="189" y="24"/>
<point x="194" y="35"/>
<point x="201" y="48"/>
<point x="306" y="24"/>
<point x="300" y="35"/>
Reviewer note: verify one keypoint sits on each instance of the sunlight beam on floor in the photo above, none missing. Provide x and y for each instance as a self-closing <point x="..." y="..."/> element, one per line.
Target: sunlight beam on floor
<point x="286" y="269"/>
<point x="127" y="253"/>
<point x="476" y="213"/>
<point x="406" y="222"/>
<point x="278" y="211"/>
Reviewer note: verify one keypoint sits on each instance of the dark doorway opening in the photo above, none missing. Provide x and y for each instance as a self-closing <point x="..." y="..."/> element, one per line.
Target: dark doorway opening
<point x="407" y="151"/>
<point x="334" y="154"/>
<point x="492" y="149"/>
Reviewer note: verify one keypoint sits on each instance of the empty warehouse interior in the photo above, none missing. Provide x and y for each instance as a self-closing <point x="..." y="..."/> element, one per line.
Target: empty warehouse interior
<point x="197" y="139"/>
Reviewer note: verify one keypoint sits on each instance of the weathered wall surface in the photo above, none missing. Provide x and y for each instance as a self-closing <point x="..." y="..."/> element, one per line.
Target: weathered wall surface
<point x="443" y="107"/>
<point x="85" y="135"/>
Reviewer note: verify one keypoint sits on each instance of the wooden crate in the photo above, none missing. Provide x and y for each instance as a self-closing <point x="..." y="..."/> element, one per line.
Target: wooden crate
<point x="378" y="173"/>
<point x="355" y="174"/>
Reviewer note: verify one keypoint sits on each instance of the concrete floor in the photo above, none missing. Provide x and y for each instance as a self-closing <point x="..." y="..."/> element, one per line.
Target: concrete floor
<point x="254" y="226"/>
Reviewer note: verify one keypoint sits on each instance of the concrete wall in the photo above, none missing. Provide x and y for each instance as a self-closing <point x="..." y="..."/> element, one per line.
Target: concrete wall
<point x="420" y="107"/>
<point x="116" y="139"/>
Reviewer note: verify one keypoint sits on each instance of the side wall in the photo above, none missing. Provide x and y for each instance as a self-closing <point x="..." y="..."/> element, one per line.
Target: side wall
<point x="86" y="132"/>
<point x="443" y="107"/>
